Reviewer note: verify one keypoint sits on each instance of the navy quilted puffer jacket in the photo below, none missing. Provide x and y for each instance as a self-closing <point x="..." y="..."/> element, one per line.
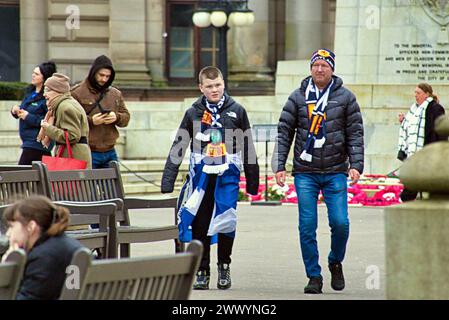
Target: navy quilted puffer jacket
<point x="344" y="147"/>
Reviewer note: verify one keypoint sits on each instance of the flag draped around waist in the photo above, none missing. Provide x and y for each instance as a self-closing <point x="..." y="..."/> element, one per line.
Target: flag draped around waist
<point x="224" y="218"/>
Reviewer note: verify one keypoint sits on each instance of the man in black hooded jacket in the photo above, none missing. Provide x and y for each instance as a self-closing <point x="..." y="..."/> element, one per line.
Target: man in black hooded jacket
<point x="218" y="132"/>
<point x="105" y="109"/>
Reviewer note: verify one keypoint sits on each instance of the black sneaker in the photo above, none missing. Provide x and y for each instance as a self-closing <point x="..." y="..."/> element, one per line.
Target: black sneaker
<point x="314" y="286"/>
<point x="224" y="276"/>
<point x="202" y="280"/>
<point x="337" y="278"/>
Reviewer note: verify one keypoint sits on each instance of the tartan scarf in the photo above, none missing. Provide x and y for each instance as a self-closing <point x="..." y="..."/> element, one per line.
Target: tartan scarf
<point x="316" y="104"/>
<point x="213" y="109"/>
<point x="210" y="119"/>
<point x="412" y="131"/>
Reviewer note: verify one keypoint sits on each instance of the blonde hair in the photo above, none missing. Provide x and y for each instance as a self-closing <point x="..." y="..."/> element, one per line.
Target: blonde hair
<point x="53" y="220"/>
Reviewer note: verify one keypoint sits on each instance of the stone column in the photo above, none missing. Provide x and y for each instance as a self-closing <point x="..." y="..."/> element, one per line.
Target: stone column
<point x="247" y="54"/>
<point x="303" y="28"/>
<point x="276" y="32"/>
<point x="155" y="40"/>
<point x="127" y="43"/>
<point x="33" y="36"/>
<point x="417" y="255"/>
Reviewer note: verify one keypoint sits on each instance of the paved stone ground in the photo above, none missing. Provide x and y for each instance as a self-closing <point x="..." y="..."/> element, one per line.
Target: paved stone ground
<point x="266" y="257"/>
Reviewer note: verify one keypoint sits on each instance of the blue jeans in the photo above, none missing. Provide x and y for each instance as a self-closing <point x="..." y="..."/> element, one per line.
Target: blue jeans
<point x="101" y="159"/>
<point x="334" y="189"/>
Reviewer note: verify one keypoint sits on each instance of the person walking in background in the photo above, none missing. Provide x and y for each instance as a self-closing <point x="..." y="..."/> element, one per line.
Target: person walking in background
<point x="105" y="109"/>
<point x="418" y="127"/>
<point x="219" y="134"/>
<point x="37" y="226"/>
<point x="65" y="114"/>
<point x="326" y="120"/>
<point x="30" y="113"/>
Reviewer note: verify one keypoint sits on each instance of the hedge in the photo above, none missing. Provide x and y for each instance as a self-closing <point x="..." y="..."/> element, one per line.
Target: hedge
<point x="12" y="90"/>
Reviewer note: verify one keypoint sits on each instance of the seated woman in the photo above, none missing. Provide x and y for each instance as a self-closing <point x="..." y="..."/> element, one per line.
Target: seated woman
<point x="36" y="225"/>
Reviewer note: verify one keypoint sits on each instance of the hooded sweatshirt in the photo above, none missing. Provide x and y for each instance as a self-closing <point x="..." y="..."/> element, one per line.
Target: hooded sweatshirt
<point x="102" y="137"/>
<point x="101" y="62"/>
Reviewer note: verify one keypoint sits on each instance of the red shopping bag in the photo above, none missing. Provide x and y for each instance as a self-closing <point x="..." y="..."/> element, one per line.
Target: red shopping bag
<point x="59" y="163"/>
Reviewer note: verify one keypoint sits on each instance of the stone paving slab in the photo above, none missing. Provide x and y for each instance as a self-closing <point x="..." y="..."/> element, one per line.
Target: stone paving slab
<point x="266" y="256"/>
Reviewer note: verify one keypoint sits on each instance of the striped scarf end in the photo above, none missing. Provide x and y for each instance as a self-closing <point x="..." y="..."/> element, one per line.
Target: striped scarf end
<point x="306" y="156"/>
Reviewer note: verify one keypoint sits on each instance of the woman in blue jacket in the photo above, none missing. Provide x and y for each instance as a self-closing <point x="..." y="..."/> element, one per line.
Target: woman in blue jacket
<point x="31" y="112"/>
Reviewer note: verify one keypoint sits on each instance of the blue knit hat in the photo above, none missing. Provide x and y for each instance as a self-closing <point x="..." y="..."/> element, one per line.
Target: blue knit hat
<point x="323" y="54"/>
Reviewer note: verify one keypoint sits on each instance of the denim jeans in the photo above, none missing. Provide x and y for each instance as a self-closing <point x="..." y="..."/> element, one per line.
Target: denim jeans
<point x="101" y="159"/>
<point x="334" y="189"/>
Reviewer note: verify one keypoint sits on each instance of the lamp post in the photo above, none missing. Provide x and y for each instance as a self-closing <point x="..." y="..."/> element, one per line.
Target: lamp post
<point x="223" y="14"/>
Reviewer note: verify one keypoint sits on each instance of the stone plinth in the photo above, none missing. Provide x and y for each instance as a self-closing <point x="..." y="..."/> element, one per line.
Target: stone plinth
<point x="417" y="257"/>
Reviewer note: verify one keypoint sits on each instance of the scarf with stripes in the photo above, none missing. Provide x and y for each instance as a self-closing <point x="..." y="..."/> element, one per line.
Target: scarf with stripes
<point x="316" y="104"/>
<point x="412" y="131"/>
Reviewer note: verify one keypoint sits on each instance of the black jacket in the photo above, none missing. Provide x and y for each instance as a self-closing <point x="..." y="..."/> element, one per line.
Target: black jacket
<point x="433" y="111"/>
<point x="232" y="116"/>
<point x="45" y="270"/>
<point x="344" y="147"/>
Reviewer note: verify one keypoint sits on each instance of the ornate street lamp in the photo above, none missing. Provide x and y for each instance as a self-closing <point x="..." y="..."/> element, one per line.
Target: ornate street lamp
<point x="223" y="14"/>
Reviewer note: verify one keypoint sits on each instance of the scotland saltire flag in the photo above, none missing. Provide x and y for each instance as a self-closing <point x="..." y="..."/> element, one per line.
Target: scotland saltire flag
<point x="224" y="218"/>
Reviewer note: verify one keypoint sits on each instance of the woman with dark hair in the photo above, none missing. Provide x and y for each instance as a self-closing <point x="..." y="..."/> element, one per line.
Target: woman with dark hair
<point x="418" y="127"/>
<point x="30" y="112"/>
<point x="36" y="225"/>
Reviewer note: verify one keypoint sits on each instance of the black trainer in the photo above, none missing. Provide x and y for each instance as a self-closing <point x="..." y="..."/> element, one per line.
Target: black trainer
<point x="314" y="286"/>
<point x="202" y="280"/>
<point x="337" y="278"/>
<point x="224" y="276"/>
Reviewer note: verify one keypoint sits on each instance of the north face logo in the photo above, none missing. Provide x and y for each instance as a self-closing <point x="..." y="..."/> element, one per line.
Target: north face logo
<point x="232" y="115"/>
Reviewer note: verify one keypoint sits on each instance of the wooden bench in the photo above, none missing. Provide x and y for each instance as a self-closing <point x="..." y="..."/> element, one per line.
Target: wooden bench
<point x="15" y="167"/>
<point x="18" y="182"/>
<point x="11" y="272"/>
<point x="106" y="184"/>
<point x="102" y="213"/>
<point x="21" y="183"/>
<point x="151" y="278"/>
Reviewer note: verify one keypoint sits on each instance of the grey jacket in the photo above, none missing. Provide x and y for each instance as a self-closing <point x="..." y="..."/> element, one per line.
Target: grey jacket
<point x="344" y="147"/>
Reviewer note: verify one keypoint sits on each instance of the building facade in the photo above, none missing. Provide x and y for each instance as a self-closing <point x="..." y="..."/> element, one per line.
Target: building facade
<point x="154" y="42"/>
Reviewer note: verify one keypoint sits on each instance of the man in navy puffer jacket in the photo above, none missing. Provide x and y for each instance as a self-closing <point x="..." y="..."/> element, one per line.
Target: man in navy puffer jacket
<point x="327" y="122"/>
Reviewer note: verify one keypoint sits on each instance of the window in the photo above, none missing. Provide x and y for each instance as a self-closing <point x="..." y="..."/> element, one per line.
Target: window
<point x="188" y="48"/>
<point x="182" y="62"/>
<point x="10" y="41"/>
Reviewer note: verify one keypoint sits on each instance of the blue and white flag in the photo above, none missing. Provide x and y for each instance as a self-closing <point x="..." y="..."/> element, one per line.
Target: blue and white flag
<point x="224" y="218"/>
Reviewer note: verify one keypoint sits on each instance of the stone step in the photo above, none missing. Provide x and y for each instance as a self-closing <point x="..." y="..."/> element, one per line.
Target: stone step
<point x="150" y="177"/>
<point x="10" y="154"/>
<point x="9" y="140"/>
<point x="180" y="93"/>
<point x="139" y="176"/>
<point x="146" y="188"/>
<point x="147" y="165"/>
